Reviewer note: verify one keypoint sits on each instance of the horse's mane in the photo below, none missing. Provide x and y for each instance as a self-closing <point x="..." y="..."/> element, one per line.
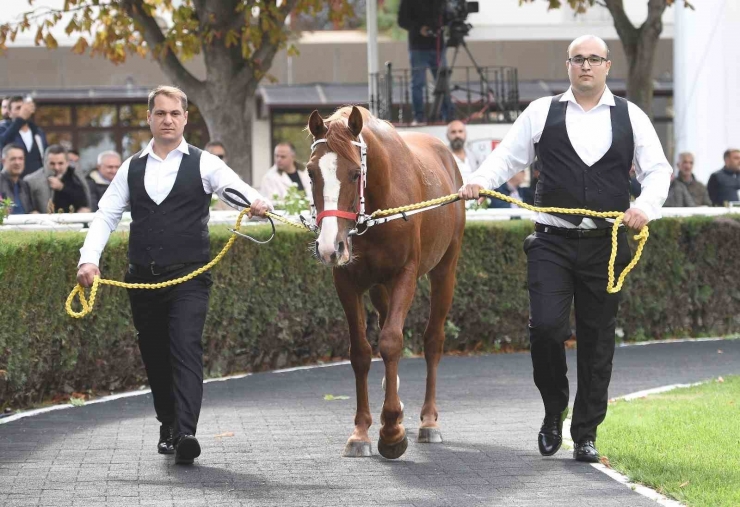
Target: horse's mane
<point x="339" y="137"/>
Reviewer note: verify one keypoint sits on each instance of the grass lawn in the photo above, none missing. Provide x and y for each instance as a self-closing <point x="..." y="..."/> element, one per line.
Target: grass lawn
<point x="684" y="443"/>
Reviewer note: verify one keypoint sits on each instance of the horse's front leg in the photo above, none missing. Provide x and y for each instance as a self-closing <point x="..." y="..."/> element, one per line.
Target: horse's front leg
<point x="360" y="353"/>
<point x="393" y="441"/>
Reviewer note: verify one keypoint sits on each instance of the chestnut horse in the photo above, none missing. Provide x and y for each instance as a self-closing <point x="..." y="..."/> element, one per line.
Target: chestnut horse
<point x="387" y="259"/>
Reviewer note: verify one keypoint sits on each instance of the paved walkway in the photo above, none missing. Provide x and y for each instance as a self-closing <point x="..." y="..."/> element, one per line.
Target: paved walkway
<point x="287" y="440"/>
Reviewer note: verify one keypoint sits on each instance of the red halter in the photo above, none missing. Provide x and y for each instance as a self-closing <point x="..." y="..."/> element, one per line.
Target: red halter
<point x="360" y="216"/>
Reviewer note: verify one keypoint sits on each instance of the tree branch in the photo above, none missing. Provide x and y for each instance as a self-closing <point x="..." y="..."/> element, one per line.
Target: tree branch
<point x="628" y="33"/>
<point x="267" y="49"/>
<point x="154" y="37"/>
<point x="653" y="25"/>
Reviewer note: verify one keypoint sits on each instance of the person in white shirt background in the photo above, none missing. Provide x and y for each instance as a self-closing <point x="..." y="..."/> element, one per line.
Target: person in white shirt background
<point x="586" y="140"/>
<point x="457" y="136"/>
<point x="168" y="186"/>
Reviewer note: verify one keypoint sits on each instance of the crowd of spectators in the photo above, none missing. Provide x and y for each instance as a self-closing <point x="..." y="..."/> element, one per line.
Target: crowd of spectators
<point x="39" y="178"/>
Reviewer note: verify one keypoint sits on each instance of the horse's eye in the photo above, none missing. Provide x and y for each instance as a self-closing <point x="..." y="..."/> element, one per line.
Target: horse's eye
<point x="355" y="176"/>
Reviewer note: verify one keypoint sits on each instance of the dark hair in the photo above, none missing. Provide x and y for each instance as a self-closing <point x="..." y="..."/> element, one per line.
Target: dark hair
<point x="729" y="152"/>
<point x="12" y="146"/>
<point x="74" y="152"/>
<point x="54" y="149"/>
<point x="288" y="144"/>
<point x="13" y="99"/>
<point x="215" y="143"/>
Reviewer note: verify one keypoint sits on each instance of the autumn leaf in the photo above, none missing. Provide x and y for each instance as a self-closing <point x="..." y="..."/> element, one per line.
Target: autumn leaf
<point x="331" y="397"/>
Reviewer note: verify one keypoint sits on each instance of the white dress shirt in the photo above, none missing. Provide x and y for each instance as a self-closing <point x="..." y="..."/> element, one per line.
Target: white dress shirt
<point x="590" y="133"/>
<point x="159" y="178"/>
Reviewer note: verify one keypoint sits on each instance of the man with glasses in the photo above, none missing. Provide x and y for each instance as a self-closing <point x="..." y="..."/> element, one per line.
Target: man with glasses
<point x="586" y="140"/>
<point x="217" y="148"/>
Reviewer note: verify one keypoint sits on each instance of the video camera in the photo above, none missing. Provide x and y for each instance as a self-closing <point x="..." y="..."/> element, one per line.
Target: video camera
<point x="455" y="12"/>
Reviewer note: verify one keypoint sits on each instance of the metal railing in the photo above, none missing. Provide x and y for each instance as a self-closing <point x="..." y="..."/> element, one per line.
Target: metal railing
<point x="80" y="221"/>
<point x="476" y="95"/>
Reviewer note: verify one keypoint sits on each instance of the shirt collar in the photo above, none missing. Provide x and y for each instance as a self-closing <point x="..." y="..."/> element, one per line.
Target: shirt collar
<point x="149" y="150"/>
<point x="607" y="98"/>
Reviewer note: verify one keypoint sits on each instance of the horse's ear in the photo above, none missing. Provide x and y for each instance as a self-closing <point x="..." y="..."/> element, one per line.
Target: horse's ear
<point x="355" y="121"/>
<point x="316" y="125"/>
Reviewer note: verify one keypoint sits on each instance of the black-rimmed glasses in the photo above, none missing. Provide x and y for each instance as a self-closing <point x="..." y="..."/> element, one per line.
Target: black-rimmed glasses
<point x="593" y="61"/>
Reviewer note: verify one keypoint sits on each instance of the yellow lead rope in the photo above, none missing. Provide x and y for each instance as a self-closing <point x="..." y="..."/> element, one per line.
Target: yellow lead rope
<point x="611" y="287"/>
<point x="87" y="305"/>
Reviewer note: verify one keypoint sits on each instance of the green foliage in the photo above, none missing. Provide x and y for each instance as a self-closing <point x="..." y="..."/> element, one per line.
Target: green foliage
<point x="118" y="28"/>
<point x="274" y="306"/>
<point x="294" y="201"/>
<point x="6" y="205"/>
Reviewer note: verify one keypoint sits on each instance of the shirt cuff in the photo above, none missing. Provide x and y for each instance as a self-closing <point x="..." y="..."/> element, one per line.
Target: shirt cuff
<point x="651" y="211"/>
<point x="480" y="180"/>
<point x="88" y="258"/>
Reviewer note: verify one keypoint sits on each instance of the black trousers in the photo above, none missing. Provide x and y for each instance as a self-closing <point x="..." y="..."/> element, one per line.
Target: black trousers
<point x="169" y="323"/>
<point x="561" y="270"/>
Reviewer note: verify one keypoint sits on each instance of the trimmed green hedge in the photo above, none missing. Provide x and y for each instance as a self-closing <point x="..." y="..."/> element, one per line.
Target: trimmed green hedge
<point x="275" y="306"/>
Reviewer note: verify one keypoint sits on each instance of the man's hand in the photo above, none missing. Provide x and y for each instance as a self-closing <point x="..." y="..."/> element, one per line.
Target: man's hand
<point x="27" y="110"/>
<point x="86" y="274"/>
<point x="259" y="208"/>
<point x="55" y="183"/>
<point x="471" y="191"/>
<point x="426" y="31"/>
<point x="635" y="219"/>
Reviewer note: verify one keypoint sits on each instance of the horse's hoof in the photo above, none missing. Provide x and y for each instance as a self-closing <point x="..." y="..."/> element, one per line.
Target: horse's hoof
<point x="393" y="451"/>
<point x="357" y="449"/>
<point x="430" y="436"/>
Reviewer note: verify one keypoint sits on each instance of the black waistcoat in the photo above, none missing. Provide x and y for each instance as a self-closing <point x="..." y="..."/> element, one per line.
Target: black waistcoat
<point x="567" y="182"/>
<point x="176" y="230"/>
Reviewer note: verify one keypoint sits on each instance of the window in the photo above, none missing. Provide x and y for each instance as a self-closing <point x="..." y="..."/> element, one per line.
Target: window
<point x="92" y="128"/>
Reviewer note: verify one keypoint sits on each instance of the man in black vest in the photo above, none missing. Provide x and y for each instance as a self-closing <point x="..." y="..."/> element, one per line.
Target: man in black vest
<point x="586" y="140"/>
<point x="168" y="186"/>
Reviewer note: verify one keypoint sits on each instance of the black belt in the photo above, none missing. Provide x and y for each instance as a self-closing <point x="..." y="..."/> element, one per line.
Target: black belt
<point x="574" y="233"/>
<point x="153" y="269"/>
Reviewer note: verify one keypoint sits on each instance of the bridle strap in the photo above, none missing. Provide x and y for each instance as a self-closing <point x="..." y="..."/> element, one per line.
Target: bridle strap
<point x="335" y="213"/>
<point x="359" y="217"/>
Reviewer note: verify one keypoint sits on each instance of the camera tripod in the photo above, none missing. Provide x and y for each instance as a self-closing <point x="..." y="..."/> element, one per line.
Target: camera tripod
<point x="442" y="87"/>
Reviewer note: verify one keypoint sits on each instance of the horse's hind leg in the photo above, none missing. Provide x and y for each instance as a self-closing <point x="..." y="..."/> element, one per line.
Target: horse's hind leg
<point x="393" y="441"/>
<point x="442" y="278"/>
<point x="360" y="353"/>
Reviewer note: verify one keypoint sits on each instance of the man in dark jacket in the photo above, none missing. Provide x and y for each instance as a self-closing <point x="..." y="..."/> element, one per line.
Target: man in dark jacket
<point x="22" y="131"/>
<point x="58" y="187"/>
<point x="99" y="178"/>
<point x="723" y="185"/>
<point x="697" y="190"/>
<point x="11" y="185"/>
<point x="423" y="20"/>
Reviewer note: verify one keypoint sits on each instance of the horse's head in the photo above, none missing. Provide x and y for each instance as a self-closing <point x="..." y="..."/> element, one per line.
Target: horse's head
<point x="335" y="172"/>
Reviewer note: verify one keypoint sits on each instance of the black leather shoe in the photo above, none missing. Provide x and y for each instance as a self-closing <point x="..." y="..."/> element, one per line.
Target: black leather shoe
<point x="166" y="439"/>
<point x="187" y="449"/>
<point x="585" y="451"/>
<point x="550" y="437"/>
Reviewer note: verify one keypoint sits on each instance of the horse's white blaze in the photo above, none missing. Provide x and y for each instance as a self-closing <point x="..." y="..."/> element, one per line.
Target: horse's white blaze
<point x="329" y="226"/>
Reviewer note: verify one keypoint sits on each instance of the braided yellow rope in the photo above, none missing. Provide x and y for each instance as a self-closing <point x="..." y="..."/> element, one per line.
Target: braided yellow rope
<point x="87" y="305"/>
<point x="611" y="287"/>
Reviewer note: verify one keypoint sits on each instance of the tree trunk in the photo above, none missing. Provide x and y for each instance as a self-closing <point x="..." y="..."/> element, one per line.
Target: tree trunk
<point x="639" y="46"/>
<point x="227" y="111"/>
<point x="640" y="76"/>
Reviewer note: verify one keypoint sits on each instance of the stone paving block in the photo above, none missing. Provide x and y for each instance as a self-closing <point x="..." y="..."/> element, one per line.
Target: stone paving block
<point x="287" y="441"/>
